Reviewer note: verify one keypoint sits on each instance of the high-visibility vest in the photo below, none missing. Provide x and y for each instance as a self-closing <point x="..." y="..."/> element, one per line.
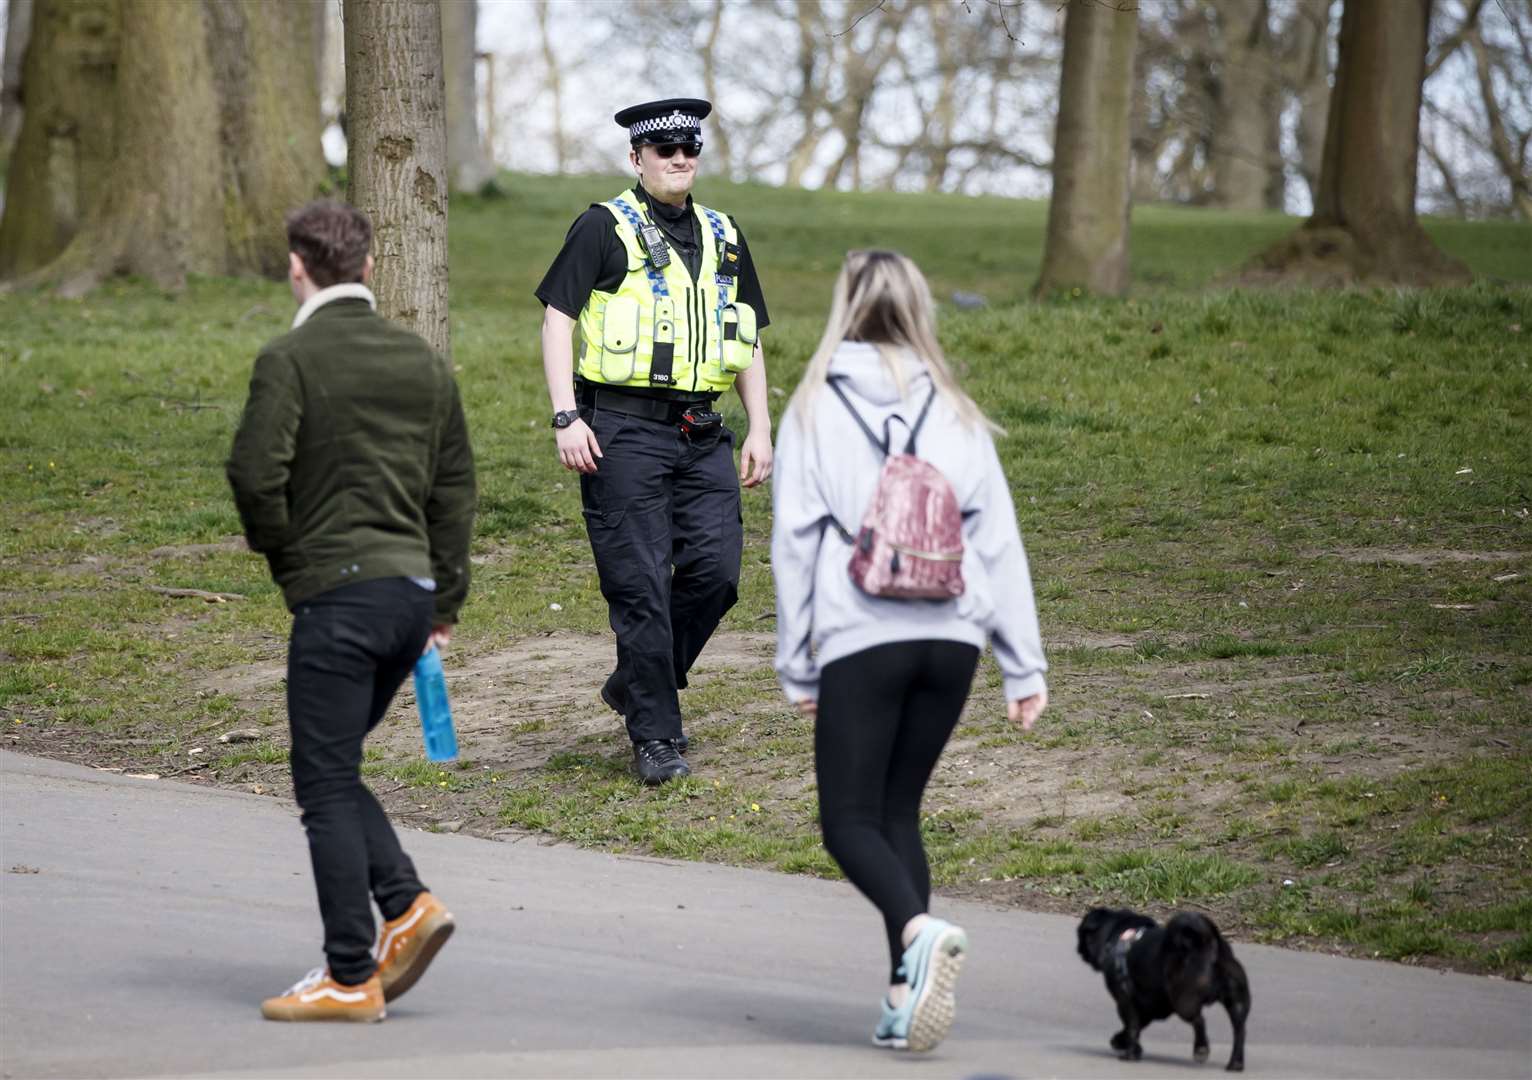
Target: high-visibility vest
<point x="660" y="328"/>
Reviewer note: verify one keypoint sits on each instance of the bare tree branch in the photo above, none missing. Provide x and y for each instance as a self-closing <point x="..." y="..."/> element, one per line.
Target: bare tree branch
<point x="854" y="22"/>
<point x="1455" y="40"/>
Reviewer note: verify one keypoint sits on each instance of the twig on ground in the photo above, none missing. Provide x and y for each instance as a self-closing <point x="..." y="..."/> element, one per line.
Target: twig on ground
<point x="198" y="594"/>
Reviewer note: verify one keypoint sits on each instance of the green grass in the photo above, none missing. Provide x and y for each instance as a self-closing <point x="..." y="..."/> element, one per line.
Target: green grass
<point x="1290" y="633"/>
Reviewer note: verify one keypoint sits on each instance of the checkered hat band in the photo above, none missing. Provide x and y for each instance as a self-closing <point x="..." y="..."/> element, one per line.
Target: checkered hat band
<point x="675" y="121"/>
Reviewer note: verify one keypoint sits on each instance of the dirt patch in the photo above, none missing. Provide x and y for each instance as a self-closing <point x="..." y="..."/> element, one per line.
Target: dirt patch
<point x="513" y="707"/>
<point x="1426" y="557"/>
<point x="199" y="551"/>
<point x="1200" y="724"/>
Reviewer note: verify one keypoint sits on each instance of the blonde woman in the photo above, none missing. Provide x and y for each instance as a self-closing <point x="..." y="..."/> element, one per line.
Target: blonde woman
<point x="886" y="678"/>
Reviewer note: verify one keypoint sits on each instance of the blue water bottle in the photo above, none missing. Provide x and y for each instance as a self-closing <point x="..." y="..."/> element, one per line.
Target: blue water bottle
<point x="435" y="712"/>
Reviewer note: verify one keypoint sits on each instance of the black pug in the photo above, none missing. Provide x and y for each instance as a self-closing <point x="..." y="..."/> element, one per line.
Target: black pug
<point x="1153" y="971"/>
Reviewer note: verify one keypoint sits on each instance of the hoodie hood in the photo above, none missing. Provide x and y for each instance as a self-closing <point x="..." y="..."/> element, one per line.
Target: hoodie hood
<point x="862" y="366"/>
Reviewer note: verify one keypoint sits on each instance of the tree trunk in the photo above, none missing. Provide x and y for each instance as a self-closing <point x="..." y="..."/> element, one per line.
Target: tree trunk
<point x="941" y="129"/>
<point x="332" y="68"/>
<point x="1274" y="196"/>
<point x="18" y="29"/>
<point x="164" y="139"/>
<point x="554" y="76"/>
<point x="1364" y="226"/>
<point x="1311" y="85"/>
<point x="468" y="168"/>
<point x="809" y="18"/>
<point x="723" y="150"/>
<point x="265" y="66"/>
<point x="1240" y="111"/>
<point x="1087" y="244"/>
<point x="1510" y="158"/>
<point x="63" y="155"/>
<point x="397" y="156"/>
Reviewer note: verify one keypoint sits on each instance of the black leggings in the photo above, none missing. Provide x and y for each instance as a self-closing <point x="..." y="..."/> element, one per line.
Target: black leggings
<point x="884" y="716"/>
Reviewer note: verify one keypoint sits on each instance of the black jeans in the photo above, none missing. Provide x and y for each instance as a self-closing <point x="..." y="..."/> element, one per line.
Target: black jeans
<point x="350" y="649"/>
<point x="664" y="518"/>
<point x="885" y="714"/>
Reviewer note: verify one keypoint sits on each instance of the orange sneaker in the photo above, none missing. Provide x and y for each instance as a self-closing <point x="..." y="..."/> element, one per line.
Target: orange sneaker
<point x="407" y="945"/>
<point x="317" y="996"/>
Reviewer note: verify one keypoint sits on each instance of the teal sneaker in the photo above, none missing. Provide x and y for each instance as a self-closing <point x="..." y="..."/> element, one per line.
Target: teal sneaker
<point x="931" y="964"/>
<point x="893" y="1028"/>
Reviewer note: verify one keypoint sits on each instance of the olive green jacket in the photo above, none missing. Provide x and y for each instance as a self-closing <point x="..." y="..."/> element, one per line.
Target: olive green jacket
<point x="352" y="459"/>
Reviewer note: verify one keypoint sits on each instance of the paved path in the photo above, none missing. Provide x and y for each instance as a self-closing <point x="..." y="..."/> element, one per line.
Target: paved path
<point x="162" y="913"/>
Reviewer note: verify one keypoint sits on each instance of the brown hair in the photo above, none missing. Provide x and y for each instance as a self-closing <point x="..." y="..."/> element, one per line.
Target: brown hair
<point x="332" y="238"/>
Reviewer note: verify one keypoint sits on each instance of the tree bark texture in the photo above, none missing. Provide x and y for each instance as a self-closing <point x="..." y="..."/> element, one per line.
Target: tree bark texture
<point x="208" y="115"/>
<point x="264" y="57"/>
<point x="397" y="156"/>
<point x="468" y="167"/>
<point x="1364" y="226"/>
<point x="63" y="154"/>
<point x="1240" y="116"/>
<point x="18" y="28"/>
<point x="1087" y="241"/>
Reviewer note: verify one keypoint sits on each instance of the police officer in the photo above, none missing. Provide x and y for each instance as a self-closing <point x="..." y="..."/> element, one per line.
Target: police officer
<point x="670" y="313"/>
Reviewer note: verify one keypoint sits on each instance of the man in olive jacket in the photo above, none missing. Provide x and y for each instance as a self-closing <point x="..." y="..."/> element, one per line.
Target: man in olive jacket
<point x="353" y="475"/>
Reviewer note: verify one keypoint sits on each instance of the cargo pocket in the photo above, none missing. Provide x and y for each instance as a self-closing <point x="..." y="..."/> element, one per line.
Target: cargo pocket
<point x="739" y="336"/>
<point x="608" y="539"/>
<point x="619" y="339"/>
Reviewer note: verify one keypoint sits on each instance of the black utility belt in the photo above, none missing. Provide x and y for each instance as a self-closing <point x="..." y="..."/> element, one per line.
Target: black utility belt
<point x="690" y="416"/>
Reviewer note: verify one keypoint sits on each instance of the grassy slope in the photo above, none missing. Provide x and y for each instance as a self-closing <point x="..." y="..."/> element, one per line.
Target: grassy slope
<point x="1254" y="497"/>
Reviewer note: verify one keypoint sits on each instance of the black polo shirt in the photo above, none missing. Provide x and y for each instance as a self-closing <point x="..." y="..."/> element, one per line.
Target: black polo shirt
<point x="593" y="257"/>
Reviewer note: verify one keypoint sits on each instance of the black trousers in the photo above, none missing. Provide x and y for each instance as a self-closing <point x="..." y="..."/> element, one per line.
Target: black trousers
<point x="664" y="518"/>
<point x="350" y="650"/>
<point x="885" y="715"/>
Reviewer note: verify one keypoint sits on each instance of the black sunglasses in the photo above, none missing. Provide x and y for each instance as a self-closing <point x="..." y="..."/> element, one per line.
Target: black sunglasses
<point x="668" y="150"/>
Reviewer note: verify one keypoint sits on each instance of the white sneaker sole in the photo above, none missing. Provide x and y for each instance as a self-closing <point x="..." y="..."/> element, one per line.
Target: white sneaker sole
<point x="936" y="1007"/>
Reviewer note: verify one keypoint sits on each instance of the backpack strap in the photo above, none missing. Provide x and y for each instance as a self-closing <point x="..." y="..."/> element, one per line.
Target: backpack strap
<point x="881" y="444"/>
<point x="887" y="440"/>
<point x="909" y="447"/>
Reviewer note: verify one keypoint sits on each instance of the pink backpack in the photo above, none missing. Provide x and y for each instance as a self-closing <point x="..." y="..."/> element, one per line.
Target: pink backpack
<point x="910" y="546"/>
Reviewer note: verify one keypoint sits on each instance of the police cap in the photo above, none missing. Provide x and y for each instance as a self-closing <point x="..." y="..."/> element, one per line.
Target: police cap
<point x="673" y="120"/>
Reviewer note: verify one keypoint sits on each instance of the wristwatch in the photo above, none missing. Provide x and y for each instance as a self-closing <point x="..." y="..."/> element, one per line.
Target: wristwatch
<point x="566" y="417"/>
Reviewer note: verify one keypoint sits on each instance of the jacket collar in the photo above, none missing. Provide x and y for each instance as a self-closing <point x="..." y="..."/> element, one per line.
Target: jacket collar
<point x="663" y="210"/>
<point x="348" y="291"/>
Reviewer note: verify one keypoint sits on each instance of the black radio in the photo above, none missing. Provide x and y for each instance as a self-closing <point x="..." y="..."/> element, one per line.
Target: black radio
<point x="654" y="246"/>
<point x="699" y="421"/>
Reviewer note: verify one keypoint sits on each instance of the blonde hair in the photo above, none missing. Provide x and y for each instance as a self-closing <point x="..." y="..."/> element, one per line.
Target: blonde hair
<point x="882" y="298"/>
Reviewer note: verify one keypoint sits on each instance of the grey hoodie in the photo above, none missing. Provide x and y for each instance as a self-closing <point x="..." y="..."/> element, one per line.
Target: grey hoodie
<point x="828" y="469"/>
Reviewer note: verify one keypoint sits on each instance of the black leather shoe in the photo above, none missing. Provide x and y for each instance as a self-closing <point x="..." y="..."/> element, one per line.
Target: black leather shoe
<point x="609" y="696"/>
<point x="657" y="761"/>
